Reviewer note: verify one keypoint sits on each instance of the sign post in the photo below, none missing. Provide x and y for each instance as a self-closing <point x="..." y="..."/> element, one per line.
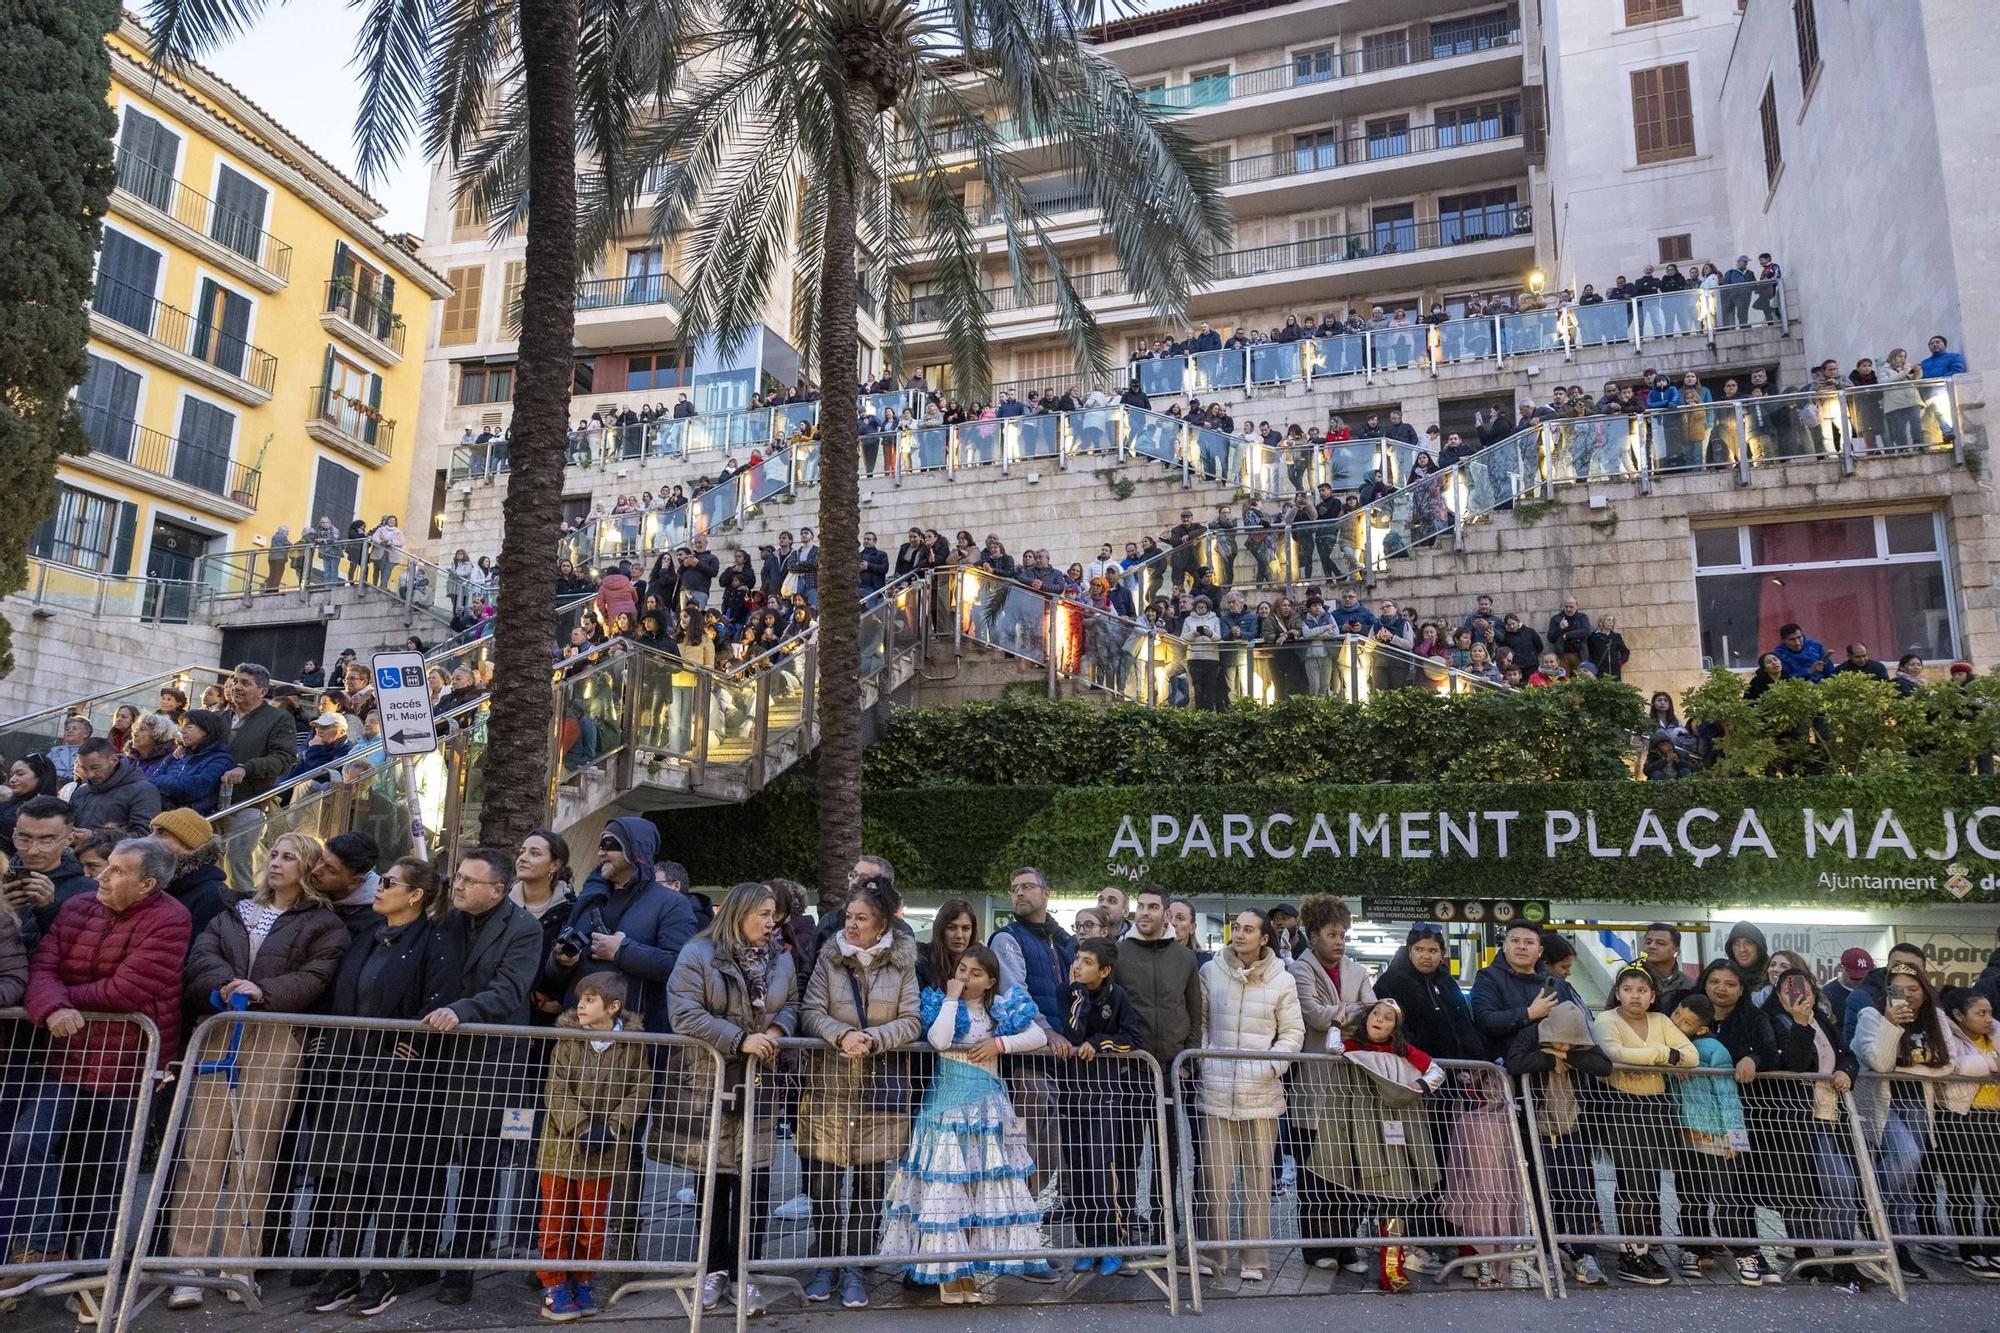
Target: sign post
<point x="403" y="704"/>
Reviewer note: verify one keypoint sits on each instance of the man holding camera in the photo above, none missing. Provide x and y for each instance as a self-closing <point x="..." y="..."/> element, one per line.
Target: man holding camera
<point x="698" y="570"/>
<point x="627" y="921"/>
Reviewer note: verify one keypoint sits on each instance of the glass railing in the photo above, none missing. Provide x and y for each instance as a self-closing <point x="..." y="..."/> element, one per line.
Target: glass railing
<point x="145" y="180"/>
<point x="192" y="335"/>
<point x="39" y="732"/>
<point x="1339" y="154"/>
<point x="64" y="587"/>
<point x="365" y="312"/>
<point x="311" y="565"/>
<point x="163" y="455"/>
<point x="1556" y="331"/>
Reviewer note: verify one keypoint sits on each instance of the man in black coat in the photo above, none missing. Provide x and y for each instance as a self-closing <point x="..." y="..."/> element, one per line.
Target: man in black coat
<point x="502" y="946"/>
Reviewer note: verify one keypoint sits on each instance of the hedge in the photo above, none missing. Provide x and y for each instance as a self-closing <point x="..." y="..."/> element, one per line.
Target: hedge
<point x="965" y="840"/>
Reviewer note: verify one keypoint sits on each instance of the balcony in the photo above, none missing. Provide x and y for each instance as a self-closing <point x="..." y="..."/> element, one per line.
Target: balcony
<point x="193" y="346"/>
<point x="1350" y="83"/>
<point x="230" y="241"/>
<point x="363" y="322"/>
<point x="162" y="465"/>
<point x="1390" y="255"/>
<point x="616" y="312"/>
<point x="350" y="425"/>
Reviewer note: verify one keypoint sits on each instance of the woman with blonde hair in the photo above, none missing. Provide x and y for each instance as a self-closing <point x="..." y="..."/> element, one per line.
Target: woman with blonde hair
<point x="278" y="950"/>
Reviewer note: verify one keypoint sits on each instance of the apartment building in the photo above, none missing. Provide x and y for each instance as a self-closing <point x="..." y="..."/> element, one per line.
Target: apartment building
<point x="1373" y="153"/>
<point x="249" y="362"/>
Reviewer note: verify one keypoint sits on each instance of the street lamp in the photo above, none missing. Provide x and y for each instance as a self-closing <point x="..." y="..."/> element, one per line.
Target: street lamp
<point x="1536" y="278"/>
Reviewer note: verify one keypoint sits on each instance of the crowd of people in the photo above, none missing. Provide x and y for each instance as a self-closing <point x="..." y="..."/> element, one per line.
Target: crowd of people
<point x="1025" y="1130"/>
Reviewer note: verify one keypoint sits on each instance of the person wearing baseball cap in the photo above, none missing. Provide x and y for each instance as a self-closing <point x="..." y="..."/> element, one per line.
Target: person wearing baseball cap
<point x="1855" y="965"/>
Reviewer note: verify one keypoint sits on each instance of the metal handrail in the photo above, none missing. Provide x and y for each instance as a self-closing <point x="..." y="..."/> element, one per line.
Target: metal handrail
<point x="188" y="334"/>
<point x="636" y="289"/>
<point x="377" y="431"/>
<point x="366" y="313"/>
<point x="126" y="441"/>
<point x="148" y="182"/>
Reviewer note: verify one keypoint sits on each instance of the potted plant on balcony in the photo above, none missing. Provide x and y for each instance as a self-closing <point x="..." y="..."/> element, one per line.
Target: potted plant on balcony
<point x="243" y="495"/>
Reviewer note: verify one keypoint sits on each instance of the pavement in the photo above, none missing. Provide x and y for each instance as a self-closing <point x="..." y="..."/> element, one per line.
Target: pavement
<point x="504" y="1304"/>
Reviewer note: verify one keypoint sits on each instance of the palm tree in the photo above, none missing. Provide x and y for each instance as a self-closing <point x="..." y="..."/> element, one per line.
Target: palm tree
<point x="797" y="129"/>
<point x="527" y="83"/>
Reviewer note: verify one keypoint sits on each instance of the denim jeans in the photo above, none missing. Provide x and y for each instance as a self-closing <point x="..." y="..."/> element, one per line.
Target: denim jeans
<point x="64" y="1167"/>
<point x="1899" y="1157"/>
<point x="1839" y="1187"/>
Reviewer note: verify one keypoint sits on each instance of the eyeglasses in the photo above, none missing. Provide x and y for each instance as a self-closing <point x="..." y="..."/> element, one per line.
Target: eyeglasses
<point x="609" y="845"/>
<point x="462" y="880"/>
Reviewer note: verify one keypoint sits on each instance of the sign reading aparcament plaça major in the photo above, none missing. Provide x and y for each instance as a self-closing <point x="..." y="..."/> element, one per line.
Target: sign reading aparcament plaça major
<point x="1898" y="851"/>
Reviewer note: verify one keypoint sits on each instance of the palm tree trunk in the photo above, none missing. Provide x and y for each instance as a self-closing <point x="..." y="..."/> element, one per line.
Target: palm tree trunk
<point x="839" y="776"/>
<point x="518" y="735"/>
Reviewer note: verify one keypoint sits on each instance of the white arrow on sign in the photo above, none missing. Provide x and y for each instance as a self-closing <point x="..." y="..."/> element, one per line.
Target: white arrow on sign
<point x="403" y="703"/>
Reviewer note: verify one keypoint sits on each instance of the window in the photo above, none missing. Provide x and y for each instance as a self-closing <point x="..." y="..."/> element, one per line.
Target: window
<point x="335" y="490"/>
<point x="1805" y="26"/>
<point x="467" y="224"/>
<point x="1767" y="121"/>
<point x="1876" y="579"/>
<point x="201" y="447"/>
<point x="147" y="154"/>
<point x="1650" y="11"/>
<point x="353" y="400"/>
<point x="1468" y="33"/>
<point x="1318" y="237"/>
<point x="1208" y="87"/>
<point x="80" y="532"/>
<point x="511" y="280"/>
<point x="1315" y="150"/>
<point x="1388" y="137"/>
<point x="1677" y="249"/>
<point x="127" y="272"/>
<point x="485" y="384"/>
<point x="108" y="402"/>
<point x="238" y="219"/>
<point x="1385" y="50"/>
<point x="653" y="370"/>
<point x="583" y="374"/>
<point x="1315" y="66"/>
<point x="460" y="321"/>
<point x="1393" y="228"/>
<point x="1479" y="216"/>
<point x="1477" y="123"/>
<point x="362" y="293"/>
<point x="221" y="327"/>
<point x="1662" y="113"/>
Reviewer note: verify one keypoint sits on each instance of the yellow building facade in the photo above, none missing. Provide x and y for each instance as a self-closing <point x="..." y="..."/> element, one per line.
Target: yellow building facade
<point x="251" y="363"/>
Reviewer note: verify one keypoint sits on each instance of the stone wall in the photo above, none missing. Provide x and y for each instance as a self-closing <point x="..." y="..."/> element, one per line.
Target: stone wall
<point x="61" y="655"/>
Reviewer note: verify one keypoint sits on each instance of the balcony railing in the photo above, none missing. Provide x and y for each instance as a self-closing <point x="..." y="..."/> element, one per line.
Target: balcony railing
<point x="351" y="417"/>
<point x="163" y="455"/>
<point x="193" y="335"/>
<point x="1360" y="151"/>
<point x="637" y="289"/>
<point x="366" y="313"/>
<point x="1304" y="71"/>
<point x="1307" y="70"/>
<point x="193" y="209"/>
<point x="1386" y="238"/>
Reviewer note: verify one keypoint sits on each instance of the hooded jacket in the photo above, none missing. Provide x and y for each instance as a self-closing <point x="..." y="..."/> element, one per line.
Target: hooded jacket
<point x="1753" y="974"/>
<point x="657" y="923"/>
<point x="198" y="885"/>
<point x="1256" y="1009"/>
<point x="1162" y="979"/>
<point x="195" y="779"/>
<point x="125" y="801"/>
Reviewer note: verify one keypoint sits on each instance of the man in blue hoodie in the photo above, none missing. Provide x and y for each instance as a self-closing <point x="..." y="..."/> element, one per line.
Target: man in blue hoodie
<point x="626" y="921"/>
<point x="1802" y="657"/>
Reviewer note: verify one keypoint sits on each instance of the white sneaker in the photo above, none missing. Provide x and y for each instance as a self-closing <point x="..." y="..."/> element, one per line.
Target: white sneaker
<point x="1253" y="1275"/>
<point x="798" y="1208"/>
<point x="184" y="1298"/>
<point x="750" y="1299"/>
<point x="84" y="1305"/>
<point x="711" y="1290"/>
<point x="234" y="1296"/>
<point x="1356" y="1265"/>
<point x="1326" y="1263"/>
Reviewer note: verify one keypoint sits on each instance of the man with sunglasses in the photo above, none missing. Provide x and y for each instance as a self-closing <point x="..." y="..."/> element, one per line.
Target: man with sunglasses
<point x="626" y="921"/>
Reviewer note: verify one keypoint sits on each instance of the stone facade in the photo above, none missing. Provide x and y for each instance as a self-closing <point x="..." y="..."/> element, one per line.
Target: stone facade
<point x="61" y="655"/>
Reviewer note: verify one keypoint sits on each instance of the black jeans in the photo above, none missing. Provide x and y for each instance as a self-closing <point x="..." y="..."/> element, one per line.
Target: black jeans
<point x="848" y="1228"/>
<point x="732" y="1208"/>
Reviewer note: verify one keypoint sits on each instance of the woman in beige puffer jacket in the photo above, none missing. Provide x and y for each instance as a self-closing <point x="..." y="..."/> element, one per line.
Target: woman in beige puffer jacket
<point x="1253" y="1005"/>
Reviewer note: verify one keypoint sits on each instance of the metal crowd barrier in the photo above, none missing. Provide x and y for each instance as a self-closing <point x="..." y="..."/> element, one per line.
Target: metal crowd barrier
<point x="1386" y="1175"/>
<point x="1757" y="1170"/>
<point x="370" y="1146"/>
<point x="1085" y="1154"/>
<point x="73" y="1116"/>
<point x="1934" y="1144"/>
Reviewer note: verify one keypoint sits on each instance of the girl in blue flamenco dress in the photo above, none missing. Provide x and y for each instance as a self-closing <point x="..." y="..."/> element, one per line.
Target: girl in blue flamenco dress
<point x="961" y="1189"/>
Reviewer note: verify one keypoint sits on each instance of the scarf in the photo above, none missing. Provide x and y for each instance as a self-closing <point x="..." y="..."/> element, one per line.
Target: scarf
<point x="754" y="962"/>
<point x="865" y="957"/>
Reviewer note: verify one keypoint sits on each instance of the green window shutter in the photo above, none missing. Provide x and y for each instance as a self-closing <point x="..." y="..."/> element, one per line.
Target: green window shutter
<point x="375" y="402"/>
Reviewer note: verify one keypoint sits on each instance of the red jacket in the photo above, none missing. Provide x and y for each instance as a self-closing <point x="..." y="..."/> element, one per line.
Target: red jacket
<point x="100" y="961"/>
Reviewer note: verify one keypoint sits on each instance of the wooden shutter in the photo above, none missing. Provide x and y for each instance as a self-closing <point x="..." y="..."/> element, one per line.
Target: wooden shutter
<point x="371" y="427"/>
<point x="238" y="220"/>
<point x="460" y="322"/>
<point x="121" y="545"/>
<point x="108" y="401"/>
<point x="1662" y="113"/>
<point x="147" y="153"/>
<point x="510" y="296"/>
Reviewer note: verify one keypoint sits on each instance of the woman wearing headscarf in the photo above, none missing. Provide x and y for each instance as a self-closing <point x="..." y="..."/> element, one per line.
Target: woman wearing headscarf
<point x="854" y="1117"/>
<point x="278" y="949"/>
<point x="733" y="988"/>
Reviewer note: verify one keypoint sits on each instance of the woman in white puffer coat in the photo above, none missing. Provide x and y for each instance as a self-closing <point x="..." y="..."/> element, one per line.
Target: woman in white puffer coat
<point x="1253" y="1005"/>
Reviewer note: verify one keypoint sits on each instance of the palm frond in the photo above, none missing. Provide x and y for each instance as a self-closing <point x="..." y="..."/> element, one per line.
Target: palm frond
<point x="392" y="55"/>
<point x="184" y="29"/>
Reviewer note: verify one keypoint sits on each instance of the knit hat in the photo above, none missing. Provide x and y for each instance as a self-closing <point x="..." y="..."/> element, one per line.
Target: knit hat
<point x="189" y="829"/>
